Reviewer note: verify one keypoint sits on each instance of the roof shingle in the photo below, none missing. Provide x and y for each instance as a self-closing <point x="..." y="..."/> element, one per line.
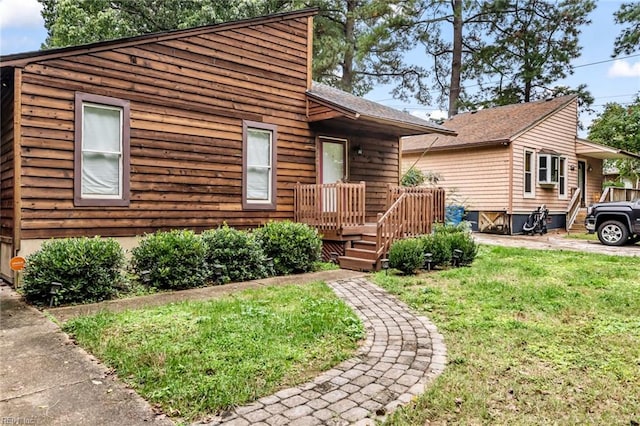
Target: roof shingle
<point x="488" y="126"/>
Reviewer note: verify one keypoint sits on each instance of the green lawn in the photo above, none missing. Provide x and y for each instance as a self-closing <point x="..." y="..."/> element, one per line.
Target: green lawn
<point x="533" y="337"/>
<point x="196" y="358"/>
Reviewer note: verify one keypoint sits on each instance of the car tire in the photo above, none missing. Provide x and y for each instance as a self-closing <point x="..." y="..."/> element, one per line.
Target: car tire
<point x="613" y="233"/>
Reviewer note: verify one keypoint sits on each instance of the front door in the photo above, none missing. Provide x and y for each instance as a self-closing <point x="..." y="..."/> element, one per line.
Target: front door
<point x="582" y="182"/>
<point x="333" y="168"/>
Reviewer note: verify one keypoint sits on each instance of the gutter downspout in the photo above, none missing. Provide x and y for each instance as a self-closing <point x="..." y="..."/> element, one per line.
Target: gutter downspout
<point x="17" y="160"/>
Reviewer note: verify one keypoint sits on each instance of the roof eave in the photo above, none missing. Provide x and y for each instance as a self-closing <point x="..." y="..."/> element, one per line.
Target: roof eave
<point x="483" y="144"/>
<point x="25" y="58"/>
<point x="413" y="128"/>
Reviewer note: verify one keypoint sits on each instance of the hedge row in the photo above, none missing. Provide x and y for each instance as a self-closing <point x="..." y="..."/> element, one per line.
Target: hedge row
<point x="91" y="269"/>
<point x="408" y="255"/>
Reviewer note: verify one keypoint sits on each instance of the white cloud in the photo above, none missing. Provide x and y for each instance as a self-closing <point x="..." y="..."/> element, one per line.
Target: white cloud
<point x="622" y="68"/>
<point x="20" y="14"/>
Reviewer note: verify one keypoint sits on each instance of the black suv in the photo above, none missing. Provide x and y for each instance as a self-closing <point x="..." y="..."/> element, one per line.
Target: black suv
<point x="616" y="222"/>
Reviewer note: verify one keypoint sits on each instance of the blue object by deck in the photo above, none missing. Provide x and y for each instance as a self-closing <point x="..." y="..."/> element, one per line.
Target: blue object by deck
<point x="453" y="214"/>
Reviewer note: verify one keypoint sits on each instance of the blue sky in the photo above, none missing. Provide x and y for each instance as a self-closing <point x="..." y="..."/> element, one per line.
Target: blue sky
<point x="22" y="30"/>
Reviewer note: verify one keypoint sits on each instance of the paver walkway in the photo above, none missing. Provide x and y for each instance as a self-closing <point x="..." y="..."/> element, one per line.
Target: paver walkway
<point x="402" y="353"/>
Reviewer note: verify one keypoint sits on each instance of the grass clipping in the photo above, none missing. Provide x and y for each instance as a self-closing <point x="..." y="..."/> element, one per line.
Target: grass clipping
<point x="194" y="359"/>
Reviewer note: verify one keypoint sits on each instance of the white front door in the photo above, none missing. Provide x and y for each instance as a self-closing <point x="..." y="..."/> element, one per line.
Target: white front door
<point x="334" y="169"/>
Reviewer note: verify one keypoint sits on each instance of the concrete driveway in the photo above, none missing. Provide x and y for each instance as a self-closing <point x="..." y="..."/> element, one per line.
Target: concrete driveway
<point x="556" y="241"/>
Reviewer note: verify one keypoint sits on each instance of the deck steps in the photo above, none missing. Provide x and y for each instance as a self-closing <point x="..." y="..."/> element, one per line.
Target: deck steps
<point x="578" y="226"/>
<point x="362" y="255"/>
<point x="357" y="264"/>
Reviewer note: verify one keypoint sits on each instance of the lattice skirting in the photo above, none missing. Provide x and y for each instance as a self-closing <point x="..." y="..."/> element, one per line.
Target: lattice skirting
<point x="332" y="246"/>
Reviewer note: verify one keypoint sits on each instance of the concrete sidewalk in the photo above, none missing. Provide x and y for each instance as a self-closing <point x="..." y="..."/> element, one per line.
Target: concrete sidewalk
<point x="47" y="380"/>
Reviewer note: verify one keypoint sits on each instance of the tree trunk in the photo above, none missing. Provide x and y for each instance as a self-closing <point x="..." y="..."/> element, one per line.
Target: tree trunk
<point x="456" y="59"/>
<point x="347" y="64"/>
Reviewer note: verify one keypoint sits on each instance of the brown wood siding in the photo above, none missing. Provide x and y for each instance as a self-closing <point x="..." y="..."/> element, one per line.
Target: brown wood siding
<point x="188" y="98"/>
<point x="377" y="166"/>
<point x="478" y="177"/>
<point x="555" y="133"/>
<point x="6" y="165"/>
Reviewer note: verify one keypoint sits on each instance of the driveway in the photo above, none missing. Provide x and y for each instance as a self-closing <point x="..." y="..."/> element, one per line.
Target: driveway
<point x="555" y="241"/>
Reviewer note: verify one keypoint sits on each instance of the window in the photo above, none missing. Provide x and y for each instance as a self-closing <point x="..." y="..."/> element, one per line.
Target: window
<point x="529" y="166"/>
<point x="259" y="166"/>
<point x="548" y="169"/>
<point x="101" y="160"/>
<point x="562" y="181"/>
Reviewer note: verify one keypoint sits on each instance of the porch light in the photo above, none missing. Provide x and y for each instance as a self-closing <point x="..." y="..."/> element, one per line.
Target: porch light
<point x="358" y="150"/>
<point x="456" y="257"/>
<point x="384" y="263"/>
<point x="428" y="260"/>
<point x="55" y="288"/>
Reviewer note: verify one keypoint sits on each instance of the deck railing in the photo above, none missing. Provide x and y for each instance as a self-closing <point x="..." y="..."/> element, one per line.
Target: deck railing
<point x="437" y="204"/>
<point x="330" y="206"/>
<point x="410" y="215"/>
<point x="574" y="208"/>
<point x="619" y="194"/>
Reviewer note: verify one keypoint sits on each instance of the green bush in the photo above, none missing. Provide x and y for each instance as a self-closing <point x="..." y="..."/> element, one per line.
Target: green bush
<point x="406" y="255"/>
<point x="413" y="177"/>
<point x="294" y="247"/>
<point x="446" y="238"/>
<point x="463" y="241"/>
<point x="439" y="247"/>
<point x="238" y="252"/>
<point x="89" y="270"/>
<point x="171" y="260"/>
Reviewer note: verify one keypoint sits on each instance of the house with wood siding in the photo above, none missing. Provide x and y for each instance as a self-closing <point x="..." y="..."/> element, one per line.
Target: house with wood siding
<point x="507" y="161"/>
<point x="189" y="129"/>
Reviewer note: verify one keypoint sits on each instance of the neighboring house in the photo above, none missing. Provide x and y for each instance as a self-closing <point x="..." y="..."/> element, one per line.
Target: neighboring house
<point x="184" y="129"/>
<point x="507" y="161"/>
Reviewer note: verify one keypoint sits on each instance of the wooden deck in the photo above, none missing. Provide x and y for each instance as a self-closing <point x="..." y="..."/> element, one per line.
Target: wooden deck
<point x="338" y="212"/>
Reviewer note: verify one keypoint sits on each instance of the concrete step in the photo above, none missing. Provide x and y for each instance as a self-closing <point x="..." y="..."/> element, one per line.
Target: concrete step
<point x="362" y="253"/>
<point x="357" y="264"/>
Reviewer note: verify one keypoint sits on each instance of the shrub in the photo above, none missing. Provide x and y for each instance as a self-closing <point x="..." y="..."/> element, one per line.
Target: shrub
<point x="451" y="237"/>
<point x="89" y="270"/>
<point x="171" y="260"/>
<point x="238" y="252"/>
<point x="439" y="247"/>
<point x="406" y="255"/>
<point x="463" y="241"/>
<point x="294" y="247"/>
<point x="413" y="177"/>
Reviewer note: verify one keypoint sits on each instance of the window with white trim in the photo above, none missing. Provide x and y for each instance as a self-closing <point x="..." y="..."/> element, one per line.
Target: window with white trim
<point x="548" y="165"/>
<point x="529" y="167"/>
<point x="101" y="169"/>
<point x="562" y="180"/>
<point x="259" y="166"/>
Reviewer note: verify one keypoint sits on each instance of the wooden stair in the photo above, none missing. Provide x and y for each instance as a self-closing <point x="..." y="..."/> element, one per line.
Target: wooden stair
<point x="362" y="256"/>
<point x="578" y="226"/>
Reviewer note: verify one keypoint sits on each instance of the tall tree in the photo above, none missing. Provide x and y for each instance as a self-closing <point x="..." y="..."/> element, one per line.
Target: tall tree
<point x="360" y="43"/>
<point x="532" y="43"/>
<point x="619" y="126"/>
<point x="451" y="33"/>
<point x="628" y="41"/>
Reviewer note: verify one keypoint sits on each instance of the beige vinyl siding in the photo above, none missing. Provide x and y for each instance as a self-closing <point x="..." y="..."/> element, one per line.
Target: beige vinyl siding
<point x="594" y="179"/>
<point x="480" y="176"/>
<point x="555" y="133"/>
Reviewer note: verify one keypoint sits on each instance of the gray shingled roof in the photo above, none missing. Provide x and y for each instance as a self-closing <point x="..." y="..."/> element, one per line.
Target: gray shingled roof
<point x="370" y="109"/>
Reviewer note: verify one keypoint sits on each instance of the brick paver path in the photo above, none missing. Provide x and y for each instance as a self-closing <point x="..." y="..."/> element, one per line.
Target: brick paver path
<point x="402" y="353"/>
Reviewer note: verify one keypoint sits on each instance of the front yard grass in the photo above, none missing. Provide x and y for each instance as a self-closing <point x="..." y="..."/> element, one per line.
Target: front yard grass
<point x="194" y="359"/>
<point x="533" y="337"/>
